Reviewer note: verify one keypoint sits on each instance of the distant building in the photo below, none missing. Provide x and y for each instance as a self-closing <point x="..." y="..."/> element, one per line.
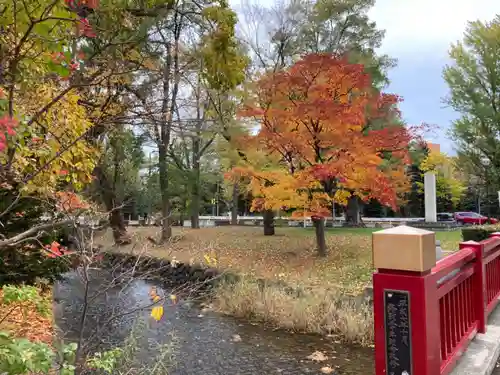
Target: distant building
<point x="447" y="168"/>
<point x="434" y="147"/>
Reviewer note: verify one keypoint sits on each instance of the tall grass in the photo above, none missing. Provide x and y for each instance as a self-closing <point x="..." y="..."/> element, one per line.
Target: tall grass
<point x="312" y="311"/>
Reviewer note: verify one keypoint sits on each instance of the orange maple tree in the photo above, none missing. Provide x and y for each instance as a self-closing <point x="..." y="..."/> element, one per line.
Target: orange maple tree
<point x="314" y="144"/>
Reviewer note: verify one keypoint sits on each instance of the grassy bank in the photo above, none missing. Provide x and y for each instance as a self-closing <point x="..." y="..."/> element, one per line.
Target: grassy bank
<point x="290" y="257"/>
<point x="318" y="310"/>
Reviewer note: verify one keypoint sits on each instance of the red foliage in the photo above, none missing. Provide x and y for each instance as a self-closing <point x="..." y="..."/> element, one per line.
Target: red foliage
<point x="316" y="118"/>
<point x="7" y="125"/>
<point x="68" y="202"/>
<point x="85" y="29"/>
<point x="55" y="250"/>
<point x="77" y="4"/>
<point x="83" y="8"/>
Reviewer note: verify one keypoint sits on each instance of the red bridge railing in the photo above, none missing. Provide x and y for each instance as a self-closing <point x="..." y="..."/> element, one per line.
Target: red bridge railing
<point x="491" y="260"/>
<point x="449" y="306"/>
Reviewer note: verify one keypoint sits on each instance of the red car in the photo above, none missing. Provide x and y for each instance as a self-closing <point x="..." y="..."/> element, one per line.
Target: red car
<point x="472" y="218"/>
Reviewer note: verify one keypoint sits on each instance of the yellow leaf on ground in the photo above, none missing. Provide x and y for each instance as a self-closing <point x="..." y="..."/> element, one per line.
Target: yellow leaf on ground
<point x="157" y="313"/>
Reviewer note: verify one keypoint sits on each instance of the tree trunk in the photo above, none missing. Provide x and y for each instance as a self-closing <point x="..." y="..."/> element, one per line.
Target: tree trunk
<point x="353" y="212"/>
<point x="319" y="227"/>
<point x="116" y="220"/>
<point x="234" y="206"/>
<point x="195" y="210"/>
<point x="268" y="222"/>
<point x="166" y="228"/>
<point x="195" y="186"/>
<point x="170" y="90"/>
<point x="183" y="212"/>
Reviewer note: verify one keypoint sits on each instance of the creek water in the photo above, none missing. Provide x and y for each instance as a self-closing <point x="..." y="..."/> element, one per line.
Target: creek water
<point x="206" y="342"/>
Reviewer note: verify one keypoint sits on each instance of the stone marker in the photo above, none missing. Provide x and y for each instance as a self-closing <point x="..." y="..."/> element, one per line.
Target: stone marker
<point x="430" y="197"/>
<point x="439" y="251"/>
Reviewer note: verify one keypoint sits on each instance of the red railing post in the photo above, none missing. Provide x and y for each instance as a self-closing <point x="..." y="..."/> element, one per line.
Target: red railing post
<point x="405" y="340"/>
<point x="479" y="282"/>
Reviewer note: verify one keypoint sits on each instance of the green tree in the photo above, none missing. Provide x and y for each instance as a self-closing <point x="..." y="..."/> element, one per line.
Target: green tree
<point x="118" y="172"/>
<point x="178" y="42"/>
<point x="474" y="82"/>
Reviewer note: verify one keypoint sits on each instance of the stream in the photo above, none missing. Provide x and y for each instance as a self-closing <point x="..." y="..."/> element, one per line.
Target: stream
<point x="206" y="342"/>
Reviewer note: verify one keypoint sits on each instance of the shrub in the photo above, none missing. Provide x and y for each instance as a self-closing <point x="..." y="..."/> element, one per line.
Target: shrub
<point x="26" y="266"/>
<point x="31" y="355"/>
<point x="26" y="262"/>
<point x="479" y="232"/>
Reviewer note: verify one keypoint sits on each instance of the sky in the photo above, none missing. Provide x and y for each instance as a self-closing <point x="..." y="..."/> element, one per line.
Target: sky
<point x="419" y="34"/>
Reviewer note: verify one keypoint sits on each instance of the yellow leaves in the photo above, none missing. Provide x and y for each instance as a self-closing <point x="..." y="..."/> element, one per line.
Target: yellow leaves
<point x="210" y="260"/>
<point x="341" y="197"/>
<point x="448" y="184"/>
<point x="54" y="143"/>
<point x="156" y="311"/>
<point x="150" y="64"/>
<point x="435" y="161"/>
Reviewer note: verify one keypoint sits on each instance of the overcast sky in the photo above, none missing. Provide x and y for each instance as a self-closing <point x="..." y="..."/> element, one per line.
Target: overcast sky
<point x="419" y="34"/>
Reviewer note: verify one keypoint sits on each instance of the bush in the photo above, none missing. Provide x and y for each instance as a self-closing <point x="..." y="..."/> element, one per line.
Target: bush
<point x="26" y="263"/>
<point x="479" y="232"/>
<point x="18" y="266"/>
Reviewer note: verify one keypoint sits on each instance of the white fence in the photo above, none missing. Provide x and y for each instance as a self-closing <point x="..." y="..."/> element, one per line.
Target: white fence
<point x="210" y="221"/>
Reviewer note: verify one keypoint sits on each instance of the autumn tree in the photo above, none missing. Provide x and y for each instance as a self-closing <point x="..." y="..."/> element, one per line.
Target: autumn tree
<point x="43" y="148"/>
<point x="66" y="51"/>
<point x="213" y="81"/>
<point x="312" y="120"/>
<point x="278" y="35"/>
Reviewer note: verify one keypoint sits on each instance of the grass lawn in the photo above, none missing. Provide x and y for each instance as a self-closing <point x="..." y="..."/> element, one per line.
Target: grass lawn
<point x="289" y="255"/>
<point x="449" y="239"/>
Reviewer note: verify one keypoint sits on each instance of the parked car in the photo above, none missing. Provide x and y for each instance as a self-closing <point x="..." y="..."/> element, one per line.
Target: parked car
<point x="445" y="216"/>
<point x="473" y="218"/>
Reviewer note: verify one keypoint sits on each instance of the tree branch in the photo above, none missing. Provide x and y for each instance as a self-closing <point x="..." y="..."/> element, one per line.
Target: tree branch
<point x="42" y="227"/>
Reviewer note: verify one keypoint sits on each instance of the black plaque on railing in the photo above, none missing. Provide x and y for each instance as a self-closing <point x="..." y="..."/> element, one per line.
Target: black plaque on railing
<point x="397" y="332"/>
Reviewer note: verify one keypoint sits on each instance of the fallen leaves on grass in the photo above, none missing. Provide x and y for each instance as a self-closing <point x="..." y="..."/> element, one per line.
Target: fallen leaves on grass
<point x="24" y="320"/>
<point x="289" y="255"/>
